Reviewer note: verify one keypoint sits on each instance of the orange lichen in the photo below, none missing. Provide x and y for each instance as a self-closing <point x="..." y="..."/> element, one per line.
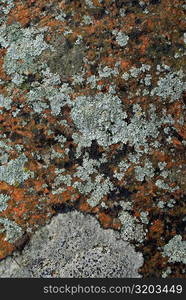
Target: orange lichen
<point x="157" y="226"/>
<point x="105" y="220"/>
<point x="6" y="248"/>
<point x="20" y="13"/>
<point x="152" y="37"/>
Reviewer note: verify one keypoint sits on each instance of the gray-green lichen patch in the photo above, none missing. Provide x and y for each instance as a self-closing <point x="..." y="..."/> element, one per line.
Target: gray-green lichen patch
<point x="87" y="20"/>
<point x="5" y="102"/>
<point x="146" y="171"/>
<point x="131" y="229"/>
<point x="62" y="180"/>
<point x="165" y="186"/>
<point x="107" y="72"/>
<point x="11" y="229"/>
<point x="94" y="187"/>
<point x="123" y="167"/>
<point x="3" y="201"/>
<point x="144" y="217"/>
<point x="6" y="6"/>
<point x="4" y="152"/>
<point x="98" y="118"/>
<point x="82" y="249"/>
<point x="102" y="118"/>
<point x="22" y="49"/>
<point x="5" y="149"/>
<point x="167" y="272"/>
<point x="171" y="86"/>
<point x="99" y="188"/>
<point x="13" y="172"/>
<point x="121" y="37"/>
<point x="40" y="94"/>
<point x="175" y="249"/>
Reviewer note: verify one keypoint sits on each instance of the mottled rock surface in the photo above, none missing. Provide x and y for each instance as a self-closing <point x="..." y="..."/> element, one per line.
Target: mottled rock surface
<point x="92" y="118"/>
<point x="74" y="245"/>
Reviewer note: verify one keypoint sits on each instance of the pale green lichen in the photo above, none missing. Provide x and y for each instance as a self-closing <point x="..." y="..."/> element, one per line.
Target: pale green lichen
<point x="23" y="48"/>
<point x="107" y="72"/>
<point x="101" y="187"/>
<point x="144" y="217"/>
<point x="162" y="165"/>
<point x="147" y="171"/>
<point x="61" y="17"/>
<point x="131" y="229"/>
<point x="89" y="3"/>
<point x="95" y="188"/>
<point x="7" y="5"/>
<point x="175" y="250"/>
<point x="13" y="172"/>
<point x="5" y="102"/>
<point x="57" y="97"/>
<point x="121" y="37"/>
<point x="98" y="117"/>
<point x="62" y="180"/>
<point x="167" y="272"/>
<point x="87" y="20"/>
<point x="3" y="202"/>
<point x="171" y="203"/>
<point x="165" y="186"/>
<point x="123" y="167"/>
<point x="12" y="230"/>
<point x="171" y="86"/>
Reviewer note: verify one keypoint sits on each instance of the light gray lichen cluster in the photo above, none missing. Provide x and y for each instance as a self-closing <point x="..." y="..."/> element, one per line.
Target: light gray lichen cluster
<point x="171" y="86"/>
<point x="62" y="180"/>
<point x="131" y="228"/>
<point x="11" y="230"/>
<point x="23" y="45"/>
<point x="121" y="37"/>
<point x="102" y="118"/>
<point x="175" y="250"/>
<point x="6" y="6"/>
<point x="146" y="171"/>
<point x="13" y="172"/>
<point x="5" y="102"/>
<point x="3" y="201"/>
<point x="74" y="245"/>
<point x="95" y="188"/>
<point x="57" y="97"/>
<point x="24" y="49"/>
<point x="98" y="118"/>
<point x="4" y="151"/>
<point x="107" y="72"/>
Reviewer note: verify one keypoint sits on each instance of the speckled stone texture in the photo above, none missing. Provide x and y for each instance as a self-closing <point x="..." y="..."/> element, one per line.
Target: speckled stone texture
<point x="74" y="245"/>
<point x="92" y="119"/>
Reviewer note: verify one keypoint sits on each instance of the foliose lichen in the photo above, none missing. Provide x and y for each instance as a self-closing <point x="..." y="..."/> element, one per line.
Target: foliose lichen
<point x="175" y="249"/>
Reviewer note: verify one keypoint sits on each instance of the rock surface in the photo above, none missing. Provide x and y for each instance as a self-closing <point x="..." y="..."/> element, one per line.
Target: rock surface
<point x="92" y="118"/>
<point x="74" y="245"/>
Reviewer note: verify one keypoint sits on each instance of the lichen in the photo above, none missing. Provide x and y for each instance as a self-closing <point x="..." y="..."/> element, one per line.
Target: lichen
<point x="175" y="250"/>
<point x="13" y="172"/>
<point x="121" y="38"/>
<point x="22" y="50"/>
<point x="3" y="201"/>
<point x="144" y="172"/>
<point x="95" y="188"/>
<point x="131" y="229"/>
<point x="171" y="86"/>
<point x="98" y="117"/>
<point x="5" y="102"/>
<point x="81" y="250"/>
<point x="12" y="230"/>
